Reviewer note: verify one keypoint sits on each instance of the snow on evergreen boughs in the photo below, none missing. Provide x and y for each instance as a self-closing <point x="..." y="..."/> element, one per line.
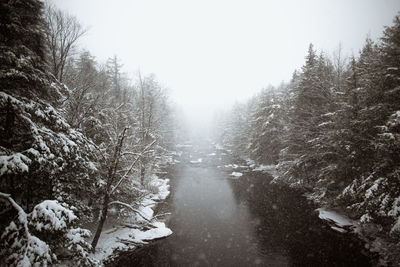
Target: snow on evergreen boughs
<point x="19" y="246"/>
<point x="78" y="246"/>
<point x="15" y="163"/>
<point x="50" y="215"/>
<point x="50" y="147"/>
<point x="22" y="247"/>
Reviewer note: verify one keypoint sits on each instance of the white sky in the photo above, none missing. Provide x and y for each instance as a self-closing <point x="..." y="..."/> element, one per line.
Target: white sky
<point x="211" y="53"/>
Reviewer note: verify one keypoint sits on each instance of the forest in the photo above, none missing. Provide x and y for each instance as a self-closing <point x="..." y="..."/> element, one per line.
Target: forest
<point x="332" y="131"/>
<point x="80" y="140"/>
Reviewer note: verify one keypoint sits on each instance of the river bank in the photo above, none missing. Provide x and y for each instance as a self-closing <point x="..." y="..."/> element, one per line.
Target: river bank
<point x="138" y="229"/>
<point x="377" y="240"/>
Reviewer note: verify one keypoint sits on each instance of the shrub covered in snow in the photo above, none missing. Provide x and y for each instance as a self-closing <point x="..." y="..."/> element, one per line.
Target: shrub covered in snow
<point x="20" y="248"/>
<point x="44" y="236"/>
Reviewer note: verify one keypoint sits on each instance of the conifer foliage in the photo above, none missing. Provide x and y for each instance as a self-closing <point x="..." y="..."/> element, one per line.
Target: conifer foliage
<point x="334" y="130"/>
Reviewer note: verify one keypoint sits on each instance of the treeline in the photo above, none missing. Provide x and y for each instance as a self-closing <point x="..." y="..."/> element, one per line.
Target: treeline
<point x="76" y="136"/>
<point x="334" y="129"/>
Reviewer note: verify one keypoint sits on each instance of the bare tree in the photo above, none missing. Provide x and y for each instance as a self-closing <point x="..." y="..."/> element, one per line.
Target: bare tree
<point x="152" y="110"/>
<point x="62" y="32"/>
<point x="114" y="72"/>
<point x="339" y="64"/>
<point x="112" y="184"/>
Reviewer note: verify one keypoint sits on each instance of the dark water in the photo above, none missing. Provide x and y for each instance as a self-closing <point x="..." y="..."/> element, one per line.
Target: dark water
<point x="219" y="221"/>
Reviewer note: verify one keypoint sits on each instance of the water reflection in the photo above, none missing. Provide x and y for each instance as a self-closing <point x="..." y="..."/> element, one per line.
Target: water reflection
<point x="286" y="221"/>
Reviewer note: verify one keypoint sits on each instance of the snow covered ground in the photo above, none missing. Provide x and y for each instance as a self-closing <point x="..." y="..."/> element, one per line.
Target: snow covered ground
<point x="122" y="237"/>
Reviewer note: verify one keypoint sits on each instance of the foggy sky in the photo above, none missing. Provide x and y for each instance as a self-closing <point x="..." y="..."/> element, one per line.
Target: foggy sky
<point x="213" y="52"/>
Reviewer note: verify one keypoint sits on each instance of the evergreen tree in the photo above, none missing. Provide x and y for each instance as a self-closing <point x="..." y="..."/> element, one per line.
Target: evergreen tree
<point x="312" y="101"/>
<point x="378" y="193"/>
<point x="267" y="126"/>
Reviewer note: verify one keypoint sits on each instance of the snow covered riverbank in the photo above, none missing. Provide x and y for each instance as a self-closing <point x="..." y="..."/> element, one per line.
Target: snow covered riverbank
<point x="141" y="229"/>
<point x="375" y="240"/>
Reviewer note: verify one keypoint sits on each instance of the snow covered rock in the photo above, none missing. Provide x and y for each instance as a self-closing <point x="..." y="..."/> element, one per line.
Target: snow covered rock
<point x="236" y="174"/>
<point x="340" y="221"/>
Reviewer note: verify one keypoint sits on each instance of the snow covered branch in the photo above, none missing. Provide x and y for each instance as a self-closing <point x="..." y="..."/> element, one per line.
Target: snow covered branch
<point x="132" y="165"/>
<point x="22" y="249"/>
<point x="48" y="217"/>
<point x="13" y="203"/>
<point x="131" y="208"/>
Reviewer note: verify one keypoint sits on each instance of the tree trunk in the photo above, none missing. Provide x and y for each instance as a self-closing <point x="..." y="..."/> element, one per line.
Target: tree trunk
<point x="110" y="179"/>
<point x="142" y="173"/>
<point x="9" y="125"/>
<point x="101" y="222"/>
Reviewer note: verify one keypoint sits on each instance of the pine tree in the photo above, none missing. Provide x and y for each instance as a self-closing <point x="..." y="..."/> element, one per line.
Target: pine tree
<point x="374" y="128"/>
<point x="311" y="101"/>
<point x="267" y="126"/>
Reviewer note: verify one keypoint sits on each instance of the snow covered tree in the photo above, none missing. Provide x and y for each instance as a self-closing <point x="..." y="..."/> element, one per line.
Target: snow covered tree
<point x="43" y="236"/>
<point x="114" y="73"/>
<point x="84" y="81"/>
<point x="340" y="68"/>
<point x="312" y="100"/>
<point x="40" y="151"/>
<point x="22" y="45"/>
<point x="41" y="156"/>
<point x="267" y="125"/>
<point x="236" y="130"/>
<point x="135" y="126"/>
<point x="153" y="116"/>
<point x="374" y="194"/>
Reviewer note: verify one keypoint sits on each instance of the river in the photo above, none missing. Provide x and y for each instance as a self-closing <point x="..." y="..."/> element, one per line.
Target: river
<point x="222" y="220"/>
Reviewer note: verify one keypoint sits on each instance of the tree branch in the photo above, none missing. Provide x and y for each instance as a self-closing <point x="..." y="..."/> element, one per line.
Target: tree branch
<point x="129" y="207"/>
<point x="22" y="217"/>
<point x="132" y="165"/>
